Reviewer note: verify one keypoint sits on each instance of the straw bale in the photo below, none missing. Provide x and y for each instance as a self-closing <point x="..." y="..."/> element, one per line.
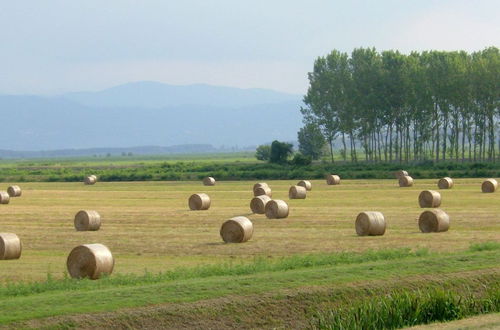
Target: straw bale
<point x="433" y="220"/>
<point x="264" y="190"/>
<point x="332" y="179"/>
<point x="297" y="192"/>
<point x="199" y="202"/>
<point x="259" y="185"/>
<point x="306" y="184"/>
<point x="400" y="173"/>
<point x="489" y="186"/>
<point x="4" y="197"/>
<point x="236" y="230"/>
<point x="405" y="181"/>
<point x="370" y="223"/>
<point x="87" y="221"/>
<point x="258" y="204"/>
<point x="429" y="198"/>
<point x="90" y="261"/>
<point x="445" y="183"/>
<point x="10" y="246"/>
<point x="92" y="179"/>
<point x="14" y="191"/>
<point x="276" y="209"/>
<point x="209" y="181"/>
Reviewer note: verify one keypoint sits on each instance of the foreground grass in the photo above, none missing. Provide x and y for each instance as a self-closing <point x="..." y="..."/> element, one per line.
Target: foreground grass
<point x="62" y="297"/>
<point x="402" y="309"/>
<point x="259" y="265"/>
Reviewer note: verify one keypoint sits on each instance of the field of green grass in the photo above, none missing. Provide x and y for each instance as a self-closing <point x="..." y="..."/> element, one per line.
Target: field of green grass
<point x="172" y="267"/>
<point x="226" y="167"/>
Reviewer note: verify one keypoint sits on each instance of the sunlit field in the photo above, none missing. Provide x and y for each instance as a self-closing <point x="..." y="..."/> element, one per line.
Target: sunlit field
<point x="148" y="226"/>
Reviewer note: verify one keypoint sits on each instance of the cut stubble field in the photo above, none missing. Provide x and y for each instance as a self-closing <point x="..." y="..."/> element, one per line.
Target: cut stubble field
<point x="148" y="225"/>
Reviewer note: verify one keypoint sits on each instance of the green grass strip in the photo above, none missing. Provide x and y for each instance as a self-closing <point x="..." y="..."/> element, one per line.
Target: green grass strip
<point x="258" y="265"/>
<point x="404" y="309"/>
<point x="96" y="296"/>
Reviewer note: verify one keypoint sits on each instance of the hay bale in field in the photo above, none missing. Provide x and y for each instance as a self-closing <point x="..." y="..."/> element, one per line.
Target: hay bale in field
<point x="264" y="190"/>
<point x="370" y="223"/>
<point x="276" y="209"/>
<point x="400" y="173"/>
<point x="434" y="220"/>
<point x="405" y="181"/>
<point x="489" y="186"/>
<point x="259" y="185"/>
<point x="258" y="204"/>
<point x="91" y="179"/>
<point x="429" y="198"/>
<point x="209" y="181"/>
<point x="4" y="197"/>
<point x="332" y="179"/>
<point x="297" y="192"/>
<point x="90" y="261"/>
<point x="306" y="184"/>
<point x="445" y="183"/>
<point x="14" y="191"/>
<point x="10" y="246"/>
<point x="236" y="230"/>
<point x="87" y="221"/>
<point x="199" y="202"/>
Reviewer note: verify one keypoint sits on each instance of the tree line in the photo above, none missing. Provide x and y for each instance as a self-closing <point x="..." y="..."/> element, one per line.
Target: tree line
<point x="388" y="106"/>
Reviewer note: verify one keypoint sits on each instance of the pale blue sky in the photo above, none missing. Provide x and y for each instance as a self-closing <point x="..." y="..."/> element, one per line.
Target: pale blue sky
<point x="49" y="46"/>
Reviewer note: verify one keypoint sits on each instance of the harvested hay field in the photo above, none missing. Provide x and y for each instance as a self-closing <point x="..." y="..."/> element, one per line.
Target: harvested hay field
<point x="148" y="225"/>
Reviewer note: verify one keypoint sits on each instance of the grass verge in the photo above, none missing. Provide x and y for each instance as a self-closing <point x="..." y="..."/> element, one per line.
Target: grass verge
<point x="259" y="265"/>
<point x="62" y="297"/>
<point x="402" y="309"/>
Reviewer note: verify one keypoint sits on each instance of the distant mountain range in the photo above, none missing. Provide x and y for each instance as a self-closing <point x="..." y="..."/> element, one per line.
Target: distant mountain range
<point x="148" y="94"/>
<point x="148" y="114"/>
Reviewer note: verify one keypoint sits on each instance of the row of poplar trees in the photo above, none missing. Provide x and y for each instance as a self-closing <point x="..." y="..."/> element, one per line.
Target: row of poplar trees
<point x="435" y="105"/>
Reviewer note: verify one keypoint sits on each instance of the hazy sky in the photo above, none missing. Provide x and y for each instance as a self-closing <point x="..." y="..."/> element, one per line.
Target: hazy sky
<point x="57" y="46"/>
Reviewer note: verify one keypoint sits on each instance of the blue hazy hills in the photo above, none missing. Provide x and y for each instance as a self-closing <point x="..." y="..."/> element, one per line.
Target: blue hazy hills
<point x="148" y="114"/>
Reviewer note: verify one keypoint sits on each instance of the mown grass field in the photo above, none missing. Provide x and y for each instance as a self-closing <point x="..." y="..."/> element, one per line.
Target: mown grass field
<point x="149" y="229"/>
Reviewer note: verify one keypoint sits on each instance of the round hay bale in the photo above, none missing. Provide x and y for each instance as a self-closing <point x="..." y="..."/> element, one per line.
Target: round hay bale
<point x="14" y="191"/>
<point x="429" y="198"/>
<point x="264" y="190"/>
<point x="489" y="186"/>
<point x="258" y="204"/>
<point x="405" y="181"/>
<point x="276" y="209"/>
<point x="306" y="184"/>
<point x="10" y="246"/>
<point x="199" y="202"/>
<point x="400" y="173"/>
<point x="259" y="185"/>
<point x="445" y="183"/>
<point x="332" y="179"/>
<point x="370" y="223"/>
<point x="4" y="197"/>
<point x="209" y="181"/>
<point x="297" y="192"/>
<point x="90" y="261"/>
<point x="434" y="220"/>
<point x="92" y="179"/>
<point x="87" y="221"/>
<point x="236" y="230"/>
